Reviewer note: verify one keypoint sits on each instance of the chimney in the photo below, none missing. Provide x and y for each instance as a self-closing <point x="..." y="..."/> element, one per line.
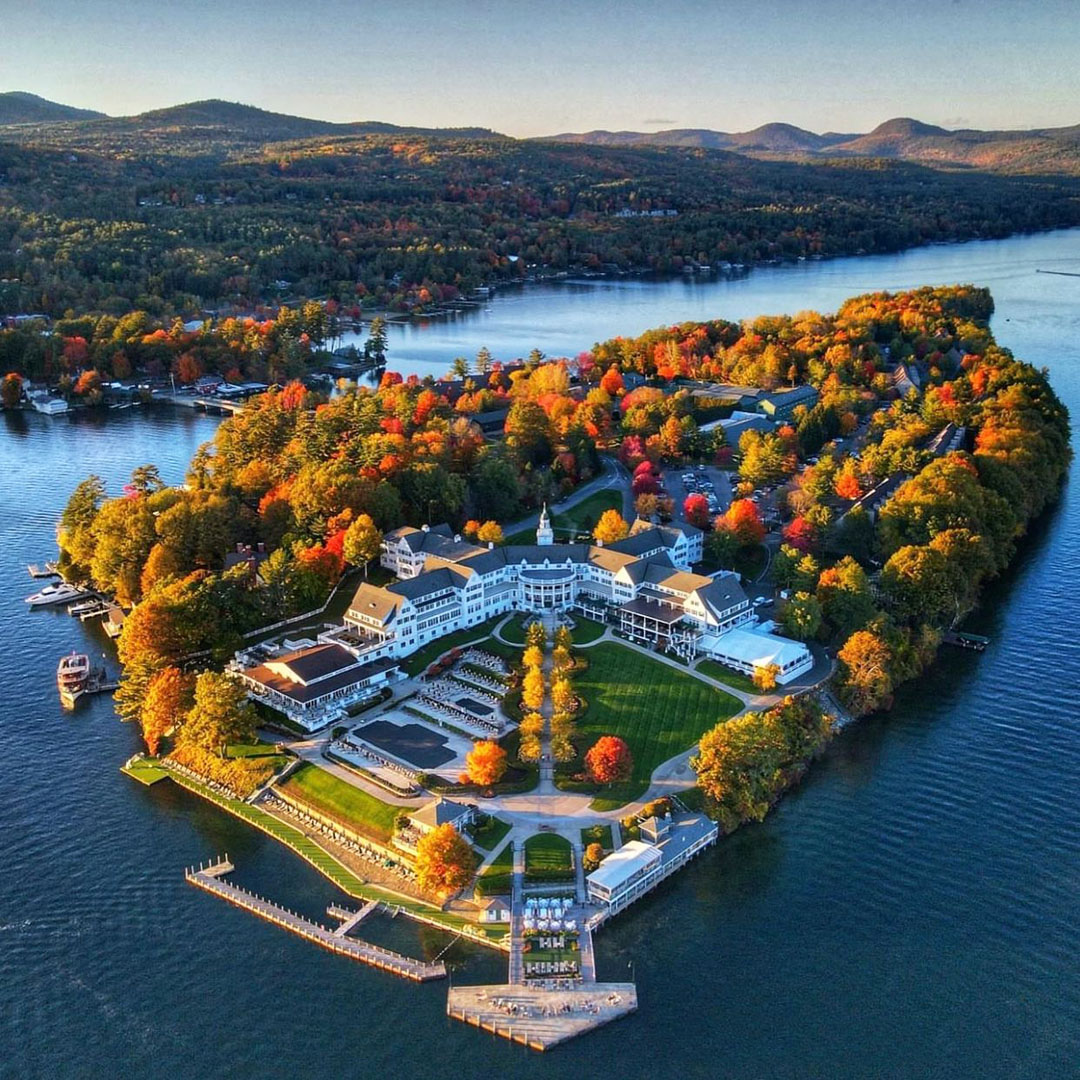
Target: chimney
<point x="599" y="543"/>
<point x="425" y="528"/>
<point x="457" y="538"/>
<point x="261" y="548"/>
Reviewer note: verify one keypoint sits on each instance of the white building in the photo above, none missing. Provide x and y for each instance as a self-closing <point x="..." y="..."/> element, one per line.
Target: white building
<point x="751" y="647"/>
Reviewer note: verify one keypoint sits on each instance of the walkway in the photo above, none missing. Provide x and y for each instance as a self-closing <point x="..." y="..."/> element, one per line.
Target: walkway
<point x="516" y="974"/>
<point x="210" y="880"/>
<point x="614" y="477"/>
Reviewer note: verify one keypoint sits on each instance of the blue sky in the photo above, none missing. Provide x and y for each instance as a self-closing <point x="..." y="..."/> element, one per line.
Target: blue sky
<point x="530" y="67"/>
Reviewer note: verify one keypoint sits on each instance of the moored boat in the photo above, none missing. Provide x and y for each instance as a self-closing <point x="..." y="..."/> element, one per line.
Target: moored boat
<point x="60" y="593"/>
<point x="72" y="677"/>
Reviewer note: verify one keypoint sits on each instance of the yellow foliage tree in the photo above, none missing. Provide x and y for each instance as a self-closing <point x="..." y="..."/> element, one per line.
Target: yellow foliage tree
<point x="486" y="763"/>
<point x="532" y="691"/>
<point x="611" y="527"/>
<point x="444" y="860"/>
<point x="533" y="657"/>
<point x="765" y="676"/>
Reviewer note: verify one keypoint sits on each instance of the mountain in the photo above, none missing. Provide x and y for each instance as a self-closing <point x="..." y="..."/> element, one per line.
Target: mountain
<point x="1041" y="150"/>
<point x="19" y="107"/>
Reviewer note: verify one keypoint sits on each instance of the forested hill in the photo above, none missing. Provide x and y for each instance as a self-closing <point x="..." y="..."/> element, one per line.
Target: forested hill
<point x="219" y="207"/>
<point x="19" y="107"/>
<point x="1044" y="150"/>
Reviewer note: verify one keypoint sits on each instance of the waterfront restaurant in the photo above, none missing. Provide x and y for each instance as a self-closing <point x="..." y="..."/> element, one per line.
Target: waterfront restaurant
<point x="624" y="875"/>
<point x="311" y="686"/>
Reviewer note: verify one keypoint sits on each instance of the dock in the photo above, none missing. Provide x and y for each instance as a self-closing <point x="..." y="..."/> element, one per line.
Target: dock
<point x="90" y="609"/>
<point x="50" y="569"/>
<point x="976" y="642"/>
<point x="98" y="682"/>
<point x="210" y="879"/>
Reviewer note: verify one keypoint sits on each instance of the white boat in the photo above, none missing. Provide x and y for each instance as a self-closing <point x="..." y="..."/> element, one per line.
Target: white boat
<point x="60" y="593"/>
<point x="72" y="676"/>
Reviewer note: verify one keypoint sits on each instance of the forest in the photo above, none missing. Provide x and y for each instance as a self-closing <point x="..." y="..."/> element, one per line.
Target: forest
<point x="190" y="216"/>
<point x="313" y="482"/>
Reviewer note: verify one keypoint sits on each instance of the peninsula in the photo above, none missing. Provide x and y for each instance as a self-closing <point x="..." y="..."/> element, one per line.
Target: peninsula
<point x="505" y="678"/>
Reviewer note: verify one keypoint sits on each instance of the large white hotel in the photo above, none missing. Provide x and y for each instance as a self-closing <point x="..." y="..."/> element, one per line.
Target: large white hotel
<point x="643" y="585"/>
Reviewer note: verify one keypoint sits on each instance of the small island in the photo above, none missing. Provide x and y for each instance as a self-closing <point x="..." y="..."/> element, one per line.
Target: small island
<point x="505" y="678"/>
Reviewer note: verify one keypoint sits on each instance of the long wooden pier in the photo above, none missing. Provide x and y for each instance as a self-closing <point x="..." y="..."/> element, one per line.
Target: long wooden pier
<point x="209" y="878"/>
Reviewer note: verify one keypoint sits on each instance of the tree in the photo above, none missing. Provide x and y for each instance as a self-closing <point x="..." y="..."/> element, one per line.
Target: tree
<point x="168" y="698"/>
<point x="75" y="534"/>
<point x="11" y="390"/>
<point x="594" y="854"/>
<point x="444" y="860"/>
<point x="864" y="673"/>
<point x="376" y="344"/>
<point x="220" y="715"/>
<point x="696" y="510"/>
<point x="845" y="598"/>
<point x="535" y="634"/>
<point x="611" y="528"/>
<point x="743" y="521"/>
<point x="801" y="616"/>
<point x="362" y="542"/>
<point x="609" y="760"/>
<point x="532" y="689"/>
<point x="490" y="533"/>
<point x="485" y="763"/>
<point x="562" y="694"/>
<point x="533" y="657"/>
<point x="917" y="584"/>
<point x="460" y="367"/>
<point x="765" y="676"/>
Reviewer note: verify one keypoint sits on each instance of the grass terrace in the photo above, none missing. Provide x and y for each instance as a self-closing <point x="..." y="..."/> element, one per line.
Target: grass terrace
<point x="598" y="834"/>
<point x="722" y="673"/>
<point x="423" y="658"/>
<point x="548" y="857"/>
<point x="583" y="517"/>
<point x="342" y="801"/>
<point x="514" y="630"/>
<point x="496" y="878"/>
<point x="586" y="631"/>
<point x="488" y="835"/>
<point x="657" y="709"/>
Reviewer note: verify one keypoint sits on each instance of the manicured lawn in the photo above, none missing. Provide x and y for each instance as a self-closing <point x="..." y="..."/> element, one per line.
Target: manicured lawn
<point x="326" y="864"/>
<point x="431" y="652"/>
<point x="586" y="631"/>
<point x="146" y="771"/>
<point x="514" y="630"/>
<point x="489" y="834"/>
<point x="722" y="673"/>
<point x="548" y="857"/>
<point x="598" y="834"/>
<point x="496" y="877"/>
<point x="583" y="517"/>
<point x="343" y="801"/>
<point x="658" y="710"/>
<point x="251" y="750"/>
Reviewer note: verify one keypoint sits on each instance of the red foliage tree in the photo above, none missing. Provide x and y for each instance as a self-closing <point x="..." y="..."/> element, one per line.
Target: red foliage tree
<point x="696" y="510"/>
<point x="743" y="521"/>
<point x="799" y="533"/>
<point x="609" y="760"/>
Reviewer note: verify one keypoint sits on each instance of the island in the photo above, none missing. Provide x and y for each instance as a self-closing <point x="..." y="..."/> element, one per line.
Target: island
<point x="507" y="679"/>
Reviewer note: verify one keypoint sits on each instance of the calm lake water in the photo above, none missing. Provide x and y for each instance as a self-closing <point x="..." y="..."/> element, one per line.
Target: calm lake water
<point x="911" y="911"/>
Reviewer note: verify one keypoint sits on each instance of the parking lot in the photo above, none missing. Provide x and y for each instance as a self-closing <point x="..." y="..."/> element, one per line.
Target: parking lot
<point x="713" y="483"/>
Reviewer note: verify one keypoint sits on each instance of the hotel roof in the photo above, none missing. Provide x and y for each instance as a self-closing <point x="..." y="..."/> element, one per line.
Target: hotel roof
<point x="621" y="865"/>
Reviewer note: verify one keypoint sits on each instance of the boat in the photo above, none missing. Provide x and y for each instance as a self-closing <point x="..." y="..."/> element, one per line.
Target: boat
<point x="83" y="606"/>
<point x="72" y="676"/>
<point x="60" y="593"/>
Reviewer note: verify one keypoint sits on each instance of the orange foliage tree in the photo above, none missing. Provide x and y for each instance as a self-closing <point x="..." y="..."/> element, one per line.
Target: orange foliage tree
<point x="444" y="860"/>
<point x="168" y="698"/>
<point x="611" y="527"/>
<point x="609" y="760"/>
<point x="744" y="523"/>
<point x="485" y="763"/>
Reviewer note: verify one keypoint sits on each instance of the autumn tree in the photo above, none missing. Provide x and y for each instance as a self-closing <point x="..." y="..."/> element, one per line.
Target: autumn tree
<point x="362" y="542"/>
<point x="444" y="860"/>
<point x="11" y="390"/>
<point x="535" y="634"/>
<point x="765" y="677"/>
<point x="168" y="699"/>
<point x="611" y="528"/>
<point x="594" y="854"/>
<point x="220" y="715"/>
<point x="533" y="656"/>
<point x="609" y="760"/>
<point x="532" y="689"/>
<point x="801" y="616"/>
<point x="696" y="510"/>
<point x="485" y="763"/>
<point x="743" y="520"/>
<point x="490" y="533"/>
<point x="864" y="674"/>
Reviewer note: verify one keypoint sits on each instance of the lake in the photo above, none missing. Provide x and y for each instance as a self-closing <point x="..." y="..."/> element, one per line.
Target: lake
<point x="912" y="910"/>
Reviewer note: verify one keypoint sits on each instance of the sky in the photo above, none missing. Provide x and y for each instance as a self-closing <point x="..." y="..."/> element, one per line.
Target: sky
<point x="532" y="67"/>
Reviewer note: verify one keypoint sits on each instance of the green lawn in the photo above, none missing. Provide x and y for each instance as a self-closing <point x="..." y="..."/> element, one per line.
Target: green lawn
<point x="489" y="834"/>
<point x="583" y="517"/>
<point x="431" y="652"/>
<point x="658" y="710"/>
<point x="514" y="630"/>
<point x="722" y="673"/>
<point x="548" y="857"/>
<point x="598" y="834"/>
<point x="343" y="801"/>
<point x="347" y="881"/>
<point x="495" y="880"/>
<point x="146" y="770"/>
<point x="586" y="631"/>
<point x="251" y="750"/>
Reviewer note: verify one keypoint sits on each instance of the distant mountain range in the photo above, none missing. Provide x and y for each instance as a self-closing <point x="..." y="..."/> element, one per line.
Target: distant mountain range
<point x="1052" y="149"/>
<point x="26" y="116"/>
